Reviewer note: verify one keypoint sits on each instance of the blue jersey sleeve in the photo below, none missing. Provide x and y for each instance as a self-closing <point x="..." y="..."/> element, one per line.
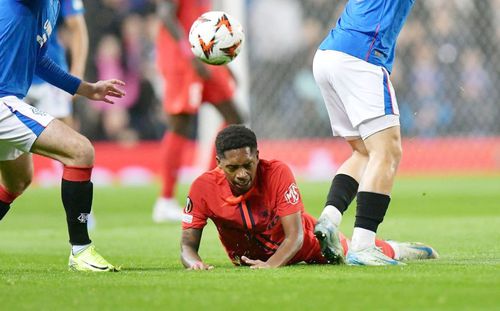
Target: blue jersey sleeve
<point x="50" y="72"/>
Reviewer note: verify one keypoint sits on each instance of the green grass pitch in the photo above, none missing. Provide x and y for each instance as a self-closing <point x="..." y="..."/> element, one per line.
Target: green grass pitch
<point x="459" y="216"/>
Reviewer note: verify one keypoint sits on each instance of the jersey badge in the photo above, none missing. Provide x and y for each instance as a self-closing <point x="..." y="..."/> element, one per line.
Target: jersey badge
<point x="292" y="194"/>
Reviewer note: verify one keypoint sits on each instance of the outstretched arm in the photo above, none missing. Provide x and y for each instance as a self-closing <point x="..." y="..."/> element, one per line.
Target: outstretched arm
<point x="294" y="237"/>
<point x="190" y="243"/>
<point x="100" y="90"/>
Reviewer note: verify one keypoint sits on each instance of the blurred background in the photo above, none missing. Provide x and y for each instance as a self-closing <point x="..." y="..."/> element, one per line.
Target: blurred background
<point x="446" y="76"/>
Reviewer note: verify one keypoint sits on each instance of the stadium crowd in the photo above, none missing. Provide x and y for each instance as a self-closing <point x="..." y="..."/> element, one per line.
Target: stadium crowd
<point x="445" y="72"/>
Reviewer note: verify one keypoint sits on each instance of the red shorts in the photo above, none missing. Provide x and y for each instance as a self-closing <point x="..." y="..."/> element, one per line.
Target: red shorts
<point x="185" y="90"/>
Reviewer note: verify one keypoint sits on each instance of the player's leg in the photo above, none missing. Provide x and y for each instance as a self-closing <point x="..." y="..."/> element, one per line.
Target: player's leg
<point x="174" y="143"/>
<point x="59" y="142"/>
<point x="31" y="130"/>
<point x="219" y="90"/>
<point x="16" y="175"/>
<point x="182" y="98"/>
<point x="345" y="183"/>
<point x="384" y="149"/>
<point x="382" y="139"/>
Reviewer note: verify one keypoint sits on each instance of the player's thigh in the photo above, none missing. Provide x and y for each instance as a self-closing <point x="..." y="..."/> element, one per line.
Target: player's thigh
<point x="51" y="100"/>
<point x="219" y="87"/>
<point x="183" y="92"/>
<point x="385" y="142"/>
<point x="339" y="119"/>
<point x="17" y="174"/>
<point x="60" y="142"/>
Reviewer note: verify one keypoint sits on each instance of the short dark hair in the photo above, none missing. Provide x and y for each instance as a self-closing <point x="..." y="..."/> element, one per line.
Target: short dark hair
<point x="234" y="137"/>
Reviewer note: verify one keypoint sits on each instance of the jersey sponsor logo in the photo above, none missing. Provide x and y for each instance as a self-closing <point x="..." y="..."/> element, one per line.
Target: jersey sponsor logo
<point x="47" y="26"/>
<point x="292" y="194"/>
<point x="187" y="218"/>
<point x="189" y="206"/>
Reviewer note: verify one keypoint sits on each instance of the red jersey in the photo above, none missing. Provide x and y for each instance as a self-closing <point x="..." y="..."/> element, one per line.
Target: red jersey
<point x="250" y="225"/>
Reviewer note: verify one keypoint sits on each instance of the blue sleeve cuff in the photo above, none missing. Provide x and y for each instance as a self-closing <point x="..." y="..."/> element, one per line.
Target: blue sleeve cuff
<point x="52" y="73"/>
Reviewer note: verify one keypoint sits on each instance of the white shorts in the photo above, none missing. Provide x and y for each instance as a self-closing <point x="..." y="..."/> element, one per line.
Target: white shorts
<point x="50" y="99"/>
<point x="359" y="96"/>
<point x="20" y="126"/>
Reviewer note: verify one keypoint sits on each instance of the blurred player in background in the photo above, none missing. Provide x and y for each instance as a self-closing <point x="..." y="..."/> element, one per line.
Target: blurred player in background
<point x="45" y="96"/>
<point x="188" y="83"/>
<point x="25" y="28"/>
<point x="351" y="68"/>
<point x="258" y="211"/>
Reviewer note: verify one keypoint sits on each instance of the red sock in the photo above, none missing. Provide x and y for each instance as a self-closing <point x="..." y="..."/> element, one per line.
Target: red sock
<point x="385" y="247"/>
<point x="75" y="173"/>
<point x="6" y="196"/>
<point x="172" y="149"/>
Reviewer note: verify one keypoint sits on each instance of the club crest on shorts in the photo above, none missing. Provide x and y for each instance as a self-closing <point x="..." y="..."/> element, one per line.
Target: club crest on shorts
<point x="292" y="194"/>
<point x="38" y="111"/>
<point x="189" y="206"/>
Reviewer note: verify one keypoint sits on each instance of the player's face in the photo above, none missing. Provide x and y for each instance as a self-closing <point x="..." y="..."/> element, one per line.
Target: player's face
<point x="240" y="168"/>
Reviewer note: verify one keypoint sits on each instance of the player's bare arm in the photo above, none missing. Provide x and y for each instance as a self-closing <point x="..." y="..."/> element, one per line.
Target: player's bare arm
<point x="190" y="243"/>
<point x="78" y="43"/>
<point x="294" y="237"/>
<point x="101" y="90"/>
<point x="166" y="11"/>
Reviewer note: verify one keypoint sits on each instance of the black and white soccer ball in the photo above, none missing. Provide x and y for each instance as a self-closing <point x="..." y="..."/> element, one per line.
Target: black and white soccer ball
<point x="216" y="38"/>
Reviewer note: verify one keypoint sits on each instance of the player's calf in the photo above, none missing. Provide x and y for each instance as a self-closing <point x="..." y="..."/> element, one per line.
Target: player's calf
<point x="6" y="198"/>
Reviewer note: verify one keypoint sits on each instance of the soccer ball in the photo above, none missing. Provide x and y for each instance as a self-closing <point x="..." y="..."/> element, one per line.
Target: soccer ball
<point x="216" y="38"/>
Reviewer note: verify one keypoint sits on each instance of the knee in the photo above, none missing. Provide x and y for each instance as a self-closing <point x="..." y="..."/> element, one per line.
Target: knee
<point x="84" y="153"/>
<point x="17" y="187"/>
<point x="391" y="154"/>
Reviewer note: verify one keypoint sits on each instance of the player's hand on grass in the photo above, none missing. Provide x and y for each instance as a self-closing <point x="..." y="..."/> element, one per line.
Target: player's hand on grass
<point x="255" y="264"/>
<point x="102" y="90"/>
<point x="200" y="266"/>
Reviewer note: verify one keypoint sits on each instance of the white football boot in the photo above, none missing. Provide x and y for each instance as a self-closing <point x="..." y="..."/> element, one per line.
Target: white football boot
<point x="328" y="236"/>
<point x="372" y="256"/>
<point x="413" y="250"/>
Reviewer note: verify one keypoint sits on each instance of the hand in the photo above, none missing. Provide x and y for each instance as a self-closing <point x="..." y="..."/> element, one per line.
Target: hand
<point x="200" y="266"/>
<point x="101" y="90"/>
<point x="255" y="264"/>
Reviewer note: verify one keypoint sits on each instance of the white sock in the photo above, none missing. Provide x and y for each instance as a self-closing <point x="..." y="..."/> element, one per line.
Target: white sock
<point x="332" y="214"/>
<point x="362" y="239"/>
<point x="75" y="249"/>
